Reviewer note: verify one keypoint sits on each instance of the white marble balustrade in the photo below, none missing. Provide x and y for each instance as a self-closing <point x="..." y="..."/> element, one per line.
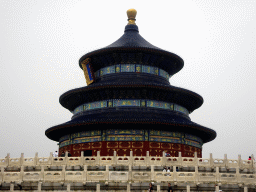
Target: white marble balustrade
<point x="127" y="160"/>
<point x="127" y="176"/>
<point x="57" y="169"/>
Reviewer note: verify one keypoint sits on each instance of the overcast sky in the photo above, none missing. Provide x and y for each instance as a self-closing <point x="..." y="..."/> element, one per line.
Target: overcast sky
<point x="42" y="41"/>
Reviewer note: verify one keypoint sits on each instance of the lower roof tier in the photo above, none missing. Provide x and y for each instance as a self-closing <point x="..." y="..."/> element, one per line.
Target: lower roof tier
<point x="133" y="118"/>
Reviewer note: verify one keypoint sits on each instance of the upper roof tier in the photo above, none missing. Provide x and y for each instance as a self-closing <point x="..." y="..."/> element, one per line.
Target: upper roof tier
<point x="137" y="50"/>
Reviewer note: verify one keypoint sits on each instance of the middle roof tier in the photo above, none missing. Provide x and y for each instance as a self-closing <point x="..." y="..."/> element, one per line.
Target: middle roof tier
<point x="131" y="90"/>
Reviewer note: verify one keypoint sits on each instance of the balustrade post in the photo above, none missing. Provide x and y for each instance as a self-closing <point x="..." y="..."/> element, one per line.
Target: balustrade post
<point x="252" y="161"/>
<point x="63" y="177"/>
<point x="39" y="188"/>
<point x="107" y="173"/>
<point x="131" y="158"/>
<point x="85" y="173"/>
<point x="238" y="175"/>
<point x="7" y="159"/>
<point x="217" y="174"/>
<point x="217" y="188"/>
<point x="164" y="159"/>
<point x="11" y="186"/>
<point x="240" y="163"/>
<point x="130" y="173"/>
<point x="211" y="161"/>
<point x="82" y="158"/>
<point x="195" y="159"/>
<point x="180" y="160"/>
<point x="174" y="173"/>
<point x="66" y="158"/>
<point x="21" y="159"/>
<point x="21" y="172"/>
<point x="115" y="158"/>
<point x="245" y="189"/>
<point x="226" y="160"/>
<point x="51" y="158"/>
<point x="128" y="187"/>
<point x="2" y="173"/>
<point x="188" y="188"/>
<point x="196" y="174"/>
<point x="158" y="188"/>
<point x="68" y="187"/>
<point x="98" y="158"/>
<point x="152" y="172"/>
<point x="147" y="159"/>
<point x="35" y="158"/>
<point x="98" y="188"/>
<point x="42" y="172"/>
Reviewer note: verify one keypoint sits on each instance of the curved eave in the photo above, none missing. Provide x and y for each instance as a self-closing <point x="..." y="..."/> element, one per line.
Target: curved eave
<point x="56" y="132"/>
<point x="179" y="61"/>
<point x="76" y="94"/>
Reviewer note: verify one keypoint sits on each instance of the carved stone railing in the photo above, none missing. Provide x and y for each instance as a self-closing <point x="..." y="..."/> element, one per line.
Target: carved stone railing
<point x="127" y="176"/>
<point x="129" y="169"/>
<point x="128" y="160"/>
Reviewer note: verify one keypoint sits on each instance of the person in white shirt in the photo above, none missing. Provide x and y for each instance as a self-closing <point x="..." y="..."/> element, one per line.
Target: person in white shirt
<point x="55" y="154"/>
<point x="168" y="170"/>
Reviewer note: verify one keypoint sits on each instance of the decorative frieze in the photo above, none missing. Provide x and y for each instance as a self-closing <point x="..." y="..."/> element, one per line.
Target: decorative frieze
<point x="131" y="103"/>
<point x="135" y="68"/>
<point x="131" y="135"/>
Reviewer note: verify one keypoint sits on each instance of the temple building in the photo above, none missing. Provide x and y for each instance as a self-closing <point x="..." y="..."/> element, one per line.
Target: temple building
<point x="129" y="103"/>
<point x="124" y="122"/>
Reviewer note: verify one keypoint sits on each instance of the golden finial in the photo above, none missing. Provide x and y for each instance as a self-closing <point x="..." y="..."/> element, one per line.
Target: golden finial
<point x="131" y="13"/>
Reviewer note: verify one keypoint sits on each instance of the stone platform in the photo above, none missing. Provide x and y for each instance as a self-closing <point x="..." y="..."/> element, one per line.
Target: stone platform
<point x="130" y="173"/>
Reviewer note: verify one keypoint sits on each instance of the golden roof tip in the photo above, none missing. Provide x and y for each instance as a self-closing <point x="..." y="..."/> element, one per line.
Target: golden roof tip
<point x="131" y="13"/>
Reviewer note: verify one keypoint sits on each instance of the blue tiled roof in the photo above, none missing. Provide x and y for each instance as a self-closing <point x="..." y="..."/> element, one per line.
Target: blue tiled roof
<point x="158" y="119"/>
<point x="132" y="48"/>
<point x="132" y="38"/>
<point x="190" y="100"/>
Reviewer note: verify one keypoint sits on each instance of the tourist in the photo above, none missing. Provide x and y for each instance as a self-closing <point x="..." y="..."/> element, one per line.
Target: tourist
<point x="167" y="154"/>
<point x="150" y="187"/>
<point x="55" y="154"/>
<point x="165" y="169"/>
<point x="168" y="171"/>
<point x="62" y="154"/>
<point x="250" y="158"/>
<point x="169" y="187"/>
<point x="69" y="154"/>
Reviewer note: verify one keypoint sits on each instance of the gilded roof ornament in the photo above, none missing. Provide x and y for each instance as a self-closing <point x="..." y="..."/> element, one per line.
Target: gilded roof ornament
<point x="131" y="13"/>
